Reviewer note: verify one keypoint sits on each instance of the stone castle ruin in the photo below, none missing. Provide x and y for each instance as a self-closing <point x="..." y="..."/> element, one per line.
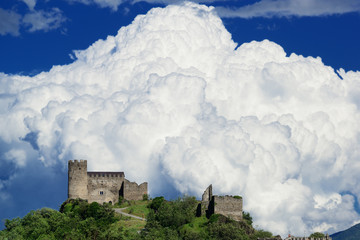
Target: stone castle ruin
<point x="101" y="186"/>
<point x="229" y="206"/>
<point x="327" y="237"/>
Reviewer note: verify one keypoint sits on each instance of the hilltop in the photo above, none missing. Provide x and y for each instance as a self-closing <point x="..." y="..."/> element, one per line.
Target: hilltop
<point x="175" y="219"/>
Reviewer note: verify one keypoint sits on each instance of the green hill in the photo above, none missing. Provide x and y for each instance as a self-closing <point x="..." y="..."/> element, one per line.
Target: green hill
<point x="352" y="233"/>
<point x="168" y="220"/>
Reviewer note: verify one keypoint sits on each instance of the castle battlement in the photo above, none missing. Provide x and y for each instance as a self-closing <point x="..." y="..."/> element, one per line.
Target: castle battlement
<point x="106" y="174"/>
<point x="101" y="186"/>
<point x="77" y="162"/>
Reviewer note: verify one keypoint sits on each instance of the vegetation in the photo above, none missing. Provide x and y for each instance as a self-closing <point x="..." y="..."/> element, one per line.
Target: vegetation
<point x="76" y="220"/>
<point x="176" y="219"/>
<point x="317" y="235"/>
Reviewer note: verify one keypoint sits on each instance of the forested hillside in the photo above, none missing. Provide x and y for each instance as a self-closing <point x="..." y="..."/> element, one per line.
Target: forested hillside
<point x="176" y="219"/>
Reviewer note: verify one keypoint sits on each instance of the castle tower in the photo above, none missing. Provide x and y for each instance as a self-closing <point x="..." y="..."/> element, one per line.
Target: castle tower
<point x="77" y="179"/>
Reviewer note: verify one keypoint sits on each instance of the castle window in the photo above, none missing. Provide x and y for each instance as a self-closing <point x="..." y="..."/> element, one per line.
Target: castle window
<point x="101" y="193"/>
<point x="103" y="175"/>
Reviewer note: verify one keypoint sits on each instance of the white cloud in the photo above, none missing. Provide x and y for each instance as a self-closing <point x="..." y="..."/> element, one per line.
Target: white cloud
<point x="34" y="20"/>
<point x="289" y="8"/>
<point x="9" y="22"/>
<point x="43" y="20"/>
<point x="16" y="155"/>
<point x="170" y="101"/>
<point x="115" y="4"/>
<point x="30" y="3"/>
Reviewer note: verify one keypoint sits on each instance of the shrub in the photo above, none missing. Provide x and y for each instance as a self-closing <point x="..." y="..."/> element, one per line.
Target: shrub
<point x="145" y="197"/>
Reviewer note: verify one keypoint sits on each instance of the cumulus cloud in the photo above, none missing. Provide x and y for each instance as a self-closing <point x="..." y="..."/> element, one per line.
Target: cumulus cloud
<point x="115" y="4"/>
<point x="172" y="100"/>
<point x="289" y="8"/>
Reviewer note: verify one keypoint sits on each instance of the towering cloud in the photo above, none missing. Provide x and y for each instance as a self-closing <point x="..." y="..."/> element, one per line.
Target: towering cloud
<point x="172" y="100"/>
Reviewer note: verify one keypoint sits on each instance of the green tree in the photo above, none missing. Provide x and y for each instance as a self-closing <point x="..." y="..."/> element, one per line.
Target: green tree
<point x="156" y="203"/>
<point x="317" y="235"/>
<point x="247" y="218"/>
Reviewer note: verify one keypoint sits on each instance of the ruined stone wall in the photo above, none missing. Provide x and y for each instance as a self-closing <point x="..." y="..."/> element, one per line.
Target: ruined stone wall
<point x="206" y="204"/>
<point x="77" y="179"/>
<point x="274" y="238"/>
<point x="228" y="206"/>
<point x="104" y="186"/>
<point x="133" y="191"/>
<point x="327" y="237"/>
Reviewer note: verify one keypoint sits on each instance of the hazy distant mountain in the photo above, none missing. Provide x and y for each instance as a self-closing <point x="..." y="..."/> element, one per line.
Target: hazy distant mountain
<point x="352" y="233"/>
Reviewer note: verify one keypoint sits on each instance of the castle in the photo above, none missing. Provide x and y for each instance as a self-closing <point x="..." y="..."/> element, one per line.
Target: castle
<point x="229" y="206"/>
<point x="327" y="237"/>
<point x="109" y="186"/>
<point x="101" y="186"/>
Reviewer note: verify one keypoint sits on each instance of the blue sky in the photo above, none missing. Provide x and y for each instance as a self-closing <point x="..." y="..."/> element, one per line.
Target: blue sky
<point x="37" y="137"/>
<point x="334" y="35"/>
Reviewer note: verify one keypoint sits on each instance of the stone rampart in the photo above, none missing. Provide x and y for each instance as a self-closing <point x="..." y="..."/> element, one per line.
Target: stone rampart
<point x="134" y="191"/>
<point x="104" y="186"/>
<point x="327" y="237"/>
<point x="228" y="206"/>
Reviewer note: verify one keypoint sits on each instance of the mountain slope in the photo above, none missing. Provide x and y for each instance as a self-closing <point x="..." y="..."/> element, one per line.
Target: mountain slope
<point x="352" y="233"/>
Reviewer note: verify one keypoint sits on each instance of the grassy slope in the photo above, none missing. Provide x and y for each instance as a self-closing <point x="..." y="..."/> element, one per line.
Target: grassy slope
<point x="137" y="208"/>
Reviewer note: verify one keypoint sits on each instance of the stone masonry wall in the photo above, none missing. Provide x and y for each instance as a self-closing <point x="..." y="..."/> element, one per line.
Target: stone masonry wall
<point x="104" y="186"/>
<point x="228" y="206"/>
<point x="133" y="191"/>
<point x="101" y="186"/>
<point x="77" y="179"/>
<point x="206" y="209"/>
<point x="327" y="237"/>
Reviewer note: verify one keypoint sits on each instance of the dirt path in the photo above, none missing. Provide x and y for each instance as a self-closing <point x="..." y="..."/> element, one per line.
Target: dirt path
<point x="120" y="210"/>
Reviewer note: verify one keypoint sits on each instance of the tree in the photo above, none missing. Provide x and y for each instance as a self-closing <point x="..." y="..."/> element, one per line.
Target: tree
<point x="317" y="235"/>
<point x="247" y="218"/>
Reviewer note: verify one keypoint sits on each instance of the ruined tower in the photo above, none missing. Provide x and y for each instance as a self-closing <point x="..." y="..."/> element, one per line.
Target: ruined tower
<point x="230" y="206"/>
<point x="77" y="179"/>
